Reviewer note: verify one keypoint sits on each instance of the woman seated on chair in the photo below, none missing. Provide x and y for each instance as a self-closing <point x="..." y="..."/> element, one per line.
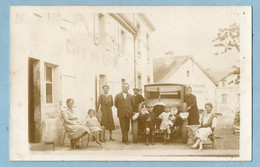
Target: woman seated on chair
<point x="72" y="126"/>
<point x="208" y="122"/>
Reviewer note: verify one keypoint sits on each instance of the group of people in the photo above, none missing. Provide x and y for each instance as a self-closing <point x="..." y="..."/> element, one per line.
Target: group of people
<point x="102" y="119"/>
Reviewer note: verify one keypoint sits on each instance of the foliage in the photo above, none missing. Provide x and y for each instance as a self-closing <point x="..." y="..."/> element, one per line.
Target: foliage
<point x="228" y="39"/>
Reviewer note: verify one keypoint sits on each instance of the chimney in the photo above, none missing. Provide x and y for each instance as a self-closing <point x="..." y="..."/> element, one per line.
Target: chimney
<point x="168" y="57"/>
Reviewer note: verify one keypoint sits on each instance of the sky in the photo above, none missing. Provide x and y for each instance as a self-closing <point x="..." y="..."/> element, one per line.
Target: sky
<point x="190" y="31"/>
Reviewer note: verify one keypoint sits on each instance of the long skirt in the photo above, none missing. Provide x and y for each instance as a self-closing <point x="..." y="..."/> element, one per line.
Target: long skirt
<point x="107" y="118"/>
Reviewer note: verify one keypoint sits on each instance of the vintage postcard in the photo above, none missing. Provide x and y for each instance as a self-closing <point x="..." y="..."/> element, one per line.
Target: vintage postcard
<point x="130" y="83"/>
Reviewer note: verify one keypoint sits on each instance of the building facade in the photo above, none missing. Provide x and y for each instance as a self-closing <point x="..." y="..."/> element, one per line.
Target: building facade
<point x="59" y="55"/>
<point x="186" y="70"/>
<point x="228" y="94"/>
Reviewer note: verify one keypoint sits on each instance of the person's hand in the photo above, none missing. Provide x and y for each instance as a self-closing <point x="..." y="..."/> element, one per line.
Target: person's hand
<point x="189" y="108"/>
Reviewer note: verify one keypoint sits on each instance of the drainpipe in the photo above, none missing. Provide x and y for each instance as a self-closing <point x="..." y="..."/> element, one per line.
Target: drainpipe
<point x="135" y="60"/>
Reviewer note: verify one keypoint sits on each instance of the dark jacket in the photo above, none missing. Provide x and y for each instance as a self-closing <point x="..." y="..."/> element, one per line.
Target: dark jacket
<point x="191" y="102"/>
<point x="124" y="106"/>
<point x="138" y="99"/>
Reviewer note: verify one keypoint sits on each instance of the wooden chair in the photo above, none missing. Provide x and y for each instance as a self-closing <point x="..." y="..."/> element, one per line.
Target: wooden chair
<point x="80" y="138"/>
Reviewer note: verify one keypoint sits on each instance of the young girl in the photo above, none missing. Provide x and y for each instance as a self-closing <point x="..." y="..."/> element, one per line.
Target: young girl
<point x="166" y="122"/>
<point x="94" y="126"/>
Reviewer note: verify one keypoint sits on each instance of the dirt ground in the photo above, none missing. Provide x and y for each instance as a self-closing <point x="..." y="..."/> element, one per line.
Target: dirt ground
<point x="225" y="140"/>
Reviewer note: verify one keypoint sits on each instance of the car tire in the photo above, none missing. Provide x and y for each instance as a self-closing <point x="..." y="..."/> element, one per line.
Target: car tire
<point x="135" y="131"/>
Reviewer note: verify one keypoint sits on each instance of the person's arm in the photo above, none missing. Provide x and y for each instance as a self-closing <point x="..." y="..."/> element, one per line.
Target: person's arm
<point x="66" y="119"/>
<point x="142" y="98"/>
<point x="99" y="103"/>
<point x="132" y="102"/>
<point x="116" y="101"/>
<point x="112" y="102"/>
<point x="214" y="123"/>
<point x="193" y="102"/>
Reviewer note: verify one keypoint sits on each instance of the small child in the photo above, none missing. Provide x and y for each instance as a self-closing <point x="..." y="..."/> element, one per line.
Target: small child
<point x="167" y="123"/>
<point x="149" y="118"/>
<point x="94" y="126"/>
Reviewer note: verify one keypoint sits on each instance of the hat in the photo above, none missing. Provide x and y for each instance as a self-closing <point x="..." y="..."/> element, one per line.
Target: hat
<point x="135" y="88"/>
<point x="105" y="86"/>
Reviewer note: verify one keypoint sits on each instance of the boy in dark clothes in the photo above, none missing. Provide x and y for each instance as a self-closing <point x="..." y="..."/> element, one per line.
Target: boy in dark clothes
<point x="149" y="118"/>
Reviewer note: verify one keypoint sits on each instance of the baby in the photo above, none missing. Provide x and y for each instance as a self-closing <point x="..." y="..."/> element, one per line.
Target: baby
<point x="94" y="126"/>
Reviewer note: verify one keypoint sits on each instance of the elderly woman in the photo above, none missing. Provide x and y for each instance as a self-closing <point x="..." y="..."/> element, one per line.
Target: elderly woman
<point x="208" y="122"/>
<point x="106" y="102"/>
<point x="192" y="107"/>
<point x="72" y="126"/>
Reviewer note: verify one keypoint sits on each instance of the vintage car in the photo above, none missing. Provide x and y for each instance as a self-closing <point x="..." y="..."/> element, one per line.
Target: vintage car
<point x="160" y="95"/>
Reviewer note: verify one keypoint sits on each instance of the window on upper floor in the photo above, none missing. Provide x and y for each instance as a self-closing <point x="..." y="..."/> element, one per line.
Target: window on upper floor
<point x="224" y="98"/>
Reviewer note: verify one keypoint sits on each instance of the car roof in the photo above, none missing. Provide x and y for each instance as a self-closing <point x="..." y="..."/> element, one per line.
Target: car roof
<point x="164" y="84"/>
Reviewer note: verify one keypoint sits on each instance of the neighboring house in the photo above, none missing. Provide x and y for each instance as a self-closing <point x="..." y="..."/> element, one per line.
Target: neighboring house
<point x="59" y="55"/>
<point x="186" y="70"/>
<point x="228" y="94"/>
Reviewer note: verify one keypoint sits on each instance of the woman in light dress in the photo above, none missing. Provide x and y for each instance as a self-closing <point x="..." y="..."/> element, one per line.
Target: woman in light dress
<point x="73" y="127"/>
<point x="208" y="122"/>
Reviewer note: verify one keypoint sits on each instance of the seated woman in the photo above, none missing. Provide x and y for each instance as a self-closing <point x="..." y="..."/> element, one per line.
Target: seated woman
<point x="208" y="122"/>
<point x="72" y="126"/>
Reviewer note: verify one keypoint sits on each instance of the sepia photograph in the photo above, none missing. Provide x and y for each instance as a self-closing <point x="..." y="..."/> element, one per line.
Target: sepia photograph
<point x="130" y="83"/>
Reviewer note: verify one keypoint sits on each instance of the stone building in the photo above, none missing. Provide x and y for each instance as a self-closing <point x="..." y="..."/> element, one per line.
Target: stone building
<point x="58" y="54"/>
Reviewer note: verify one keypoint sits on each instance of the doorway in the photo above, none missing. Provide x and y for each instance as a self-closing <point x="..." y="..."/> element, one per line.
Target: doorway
<point x="34" y="101"/>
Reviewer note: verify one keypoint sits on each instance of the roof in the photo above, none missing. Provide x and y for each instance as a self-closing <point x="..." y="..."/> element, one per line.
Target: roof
<point x="161" y="70"/>
<point x="221" y="73"/>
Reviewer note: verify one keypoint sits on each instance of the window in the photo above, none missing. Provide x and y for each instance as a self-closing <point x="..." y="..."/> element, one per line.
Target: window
<point x="139" y="81"/>
<point x="49" y="84"/>
<point x="224" y="98"/>
<point x="147" y="41"/>
<point x="122" y="42"/>
<point x="188" y="73"/>
<point x="138" y="40"/>
<point x="148" y="80"/>
<point x="98" y="27"/>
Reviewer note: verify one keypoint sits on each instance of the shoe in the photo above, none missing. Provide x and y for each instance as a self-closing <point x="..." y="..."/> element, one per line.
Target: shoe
<point x="193" y="147"/>
<point x="152" y="139"/>
<point x="147" y="140"/>
<point x="72" y="143"/>
<point x="112" y="139"/>
<point x="127" y="143"/>
<point x="102" y="140"/>
<point x="164" y="142"/>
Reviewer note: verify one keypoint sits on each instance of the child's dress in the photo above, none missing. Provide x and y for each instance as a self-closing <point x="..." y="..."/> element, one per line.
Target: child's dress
<point x="165" y="120"/>
<point x="93" y="124"/>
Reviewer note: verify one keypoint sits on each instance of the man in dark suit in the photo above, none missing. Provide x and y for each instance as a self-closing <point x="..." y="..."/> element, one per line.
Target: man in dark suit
<point x="138" y="99"/>
<point x="124" y="102"/>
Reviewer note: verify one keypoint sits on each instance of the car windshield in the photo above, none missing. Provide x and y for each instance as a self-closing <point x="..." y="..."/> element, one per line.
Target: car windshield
<point x="165" y="92"/>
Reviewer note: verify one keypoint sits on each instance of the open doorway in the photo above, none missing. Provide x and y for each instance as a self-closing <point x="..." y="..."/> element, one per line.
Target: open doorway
<point x="34" y="101"/>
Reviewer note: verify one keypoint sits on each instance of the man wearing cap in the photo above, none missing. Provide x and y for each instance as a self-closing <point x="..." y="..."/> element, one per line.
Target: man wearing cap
<point x="124" y="102"/>
<point x="138" y="99"/>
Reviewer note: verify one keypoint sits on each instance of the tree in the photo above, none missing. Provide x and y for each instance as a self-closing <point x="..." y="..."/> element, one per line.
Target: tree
<point x="228" y="39"/>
